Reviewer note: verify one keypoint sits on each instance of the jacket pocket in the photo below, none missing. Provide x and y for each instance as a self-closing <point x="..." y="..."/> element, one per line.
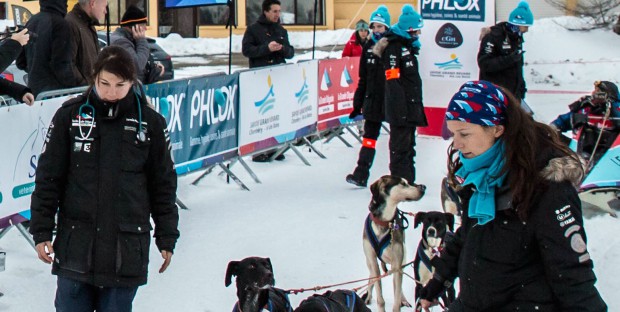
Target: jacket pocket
<point x="132" y="249"/>
<point x="135" y="153"/>
<point x="74" y="246"/>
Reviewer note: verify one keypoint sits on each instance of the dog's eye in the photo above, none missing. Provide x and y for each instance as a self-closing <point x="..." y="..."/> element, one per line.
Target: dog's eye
<point x="251" y="267"/>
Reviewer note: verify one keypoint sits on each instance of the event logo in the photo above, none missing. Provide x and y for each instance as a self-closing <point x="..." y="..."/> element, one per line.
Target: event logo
<point x="266" y="103"/>
<point x="302" y="95"/>
<point x="460" y="10"/>
<point x="170" y="108"/>
<point x="453" y="63"/>
<point x="213" y="105"/>
<point x="326" y="82"/>
<point x="448" y="36"/>
<point x="345" y="78"/>
<point x="28" y="158"/>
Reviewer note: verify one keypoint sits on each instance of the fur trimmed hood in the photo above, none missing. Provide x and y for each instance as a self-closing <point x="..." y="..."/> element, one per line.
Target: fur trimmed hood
<point x="380" y="46"/>
<point x="564" y="168"/>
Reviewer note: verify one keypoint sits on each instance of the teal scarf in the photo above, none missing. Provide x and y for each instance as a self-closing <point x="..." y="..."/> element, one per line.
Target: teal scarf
<point x="483" y="172"/>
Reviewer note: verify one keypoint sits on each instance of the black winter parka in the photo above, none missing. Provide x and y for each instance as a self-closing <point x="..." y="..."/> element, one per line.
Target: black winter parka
<point x="9" y="50"/>
<point x="403" y="87"/>
<point x="500" y="59"/>
<point x="510" y="265"/>
<point x="104" y="185"/>
<point x="370" y="92"/>
<point x="255" y="43"/>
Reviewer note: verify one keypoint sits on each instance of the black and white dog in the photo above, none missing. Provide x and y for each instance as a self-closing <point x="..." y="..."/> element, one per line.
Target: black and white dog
<point x="255" y="290"/>
<point x="435" y="226"/>
<point x="384" y="235"/>
<point x="333" y="301"/>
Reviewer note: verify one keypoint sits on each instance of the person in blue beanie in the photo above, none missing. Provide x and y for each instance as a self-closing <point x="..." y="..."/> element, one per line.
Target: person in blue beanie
<point x="500" y="57"/>
<point x="521" y="245"/>
<point x="404" y="109"/>
<point x="369" y="97"/>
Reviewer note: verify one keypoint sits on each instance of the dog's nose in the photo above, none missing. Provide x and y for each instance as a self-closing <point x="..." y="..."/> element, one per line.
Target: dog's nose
<point x="432" y="232"/>
<point x="422" y="187"/>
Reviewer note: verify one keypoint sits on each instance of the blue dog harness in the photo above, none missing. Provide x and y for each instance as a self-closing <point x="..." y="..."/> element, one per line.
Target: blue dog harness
<point x="350" y="304"/>
<point x="400" y="222"/>
<point x="270" y="305"/>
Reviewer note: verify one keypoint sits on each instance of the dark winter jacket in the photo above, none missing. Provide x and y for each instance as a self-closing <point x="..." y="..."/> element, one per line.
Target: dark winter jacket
<point x="105" y="185"/>
<point x="500" y="59"/>
<point x="12" y="89"/>
<point x="84" y="43"/>
<point x="139" y="49"/>
<point x="403" y="87"/>
<point x="355" y="46"/>
<point x="9" y="51"/>
<point x="370" y="92"/>
<point x="46" y="59"/>
<point x="538" y="265"/>
<point x="255" y="44"/>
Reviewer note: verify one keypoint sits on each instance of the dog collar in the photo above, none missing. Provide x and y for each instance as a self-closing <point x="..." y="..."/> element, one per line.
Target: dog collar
<point x="380" y="222"/>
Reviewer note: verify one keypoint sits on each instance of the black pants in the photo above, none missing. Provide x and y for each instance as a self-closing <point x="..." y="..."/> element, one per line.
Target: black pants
<point x="402" y="152"/>
<point x="367" y="152"/>
<point x="74" y="296"/>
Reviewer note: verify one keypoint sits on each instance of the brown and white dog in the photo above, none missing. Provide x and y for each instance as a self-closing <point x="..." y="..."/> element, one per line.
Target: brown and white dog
<point x="384" y="236"/>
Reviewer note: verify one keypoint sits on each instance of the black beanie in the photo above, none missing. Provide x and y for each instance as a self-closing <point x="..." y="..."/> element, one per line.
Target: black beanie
<point x="133" y="16"/>
<point x="609" y="88"/>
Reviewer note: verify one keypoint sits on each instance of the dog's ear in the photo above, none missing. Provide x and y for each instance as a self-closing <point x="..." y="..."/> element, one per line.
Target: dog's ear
<point x="270" y="266"/>
<point x="230" y="271"/>
<point x="450" y="221"/>
<point x="377" y="198"/>
<point x="419" y="217"/>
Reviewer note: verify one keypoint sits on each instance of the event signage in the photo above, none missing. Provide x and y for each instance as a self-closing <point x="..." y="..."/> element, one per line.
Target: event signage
<point x="454" y="10"/>
<point x="191" y="3"/>
<point x="337" y="81"/>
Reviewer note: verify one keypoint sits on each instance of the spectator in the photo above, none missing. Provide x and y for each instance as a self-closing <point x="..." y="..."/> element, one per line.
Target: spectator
<point x="521" y="245"/>
<point x="104" y="172"/>
<point x="500" y="56"/>
<point x="404" y="110"/>
<point x="46" y="60"/>
<point x="357" y="41"/>
<point x="266" y="43"/>
<point x="131" y="36"/>
<point x="82" y="19"/>
<point x="369" y="97"/>
<point x="9" y="50"/>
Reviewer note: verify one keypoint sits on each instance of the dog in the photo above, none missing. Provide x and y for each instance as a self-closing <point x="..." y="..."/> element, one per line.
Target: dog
<point x="435" y="226"/>
<point x="384" y="236"/>
<point x="255" y="286"/>
<point x="333" y="301"/>
<point x="450" y="200"/>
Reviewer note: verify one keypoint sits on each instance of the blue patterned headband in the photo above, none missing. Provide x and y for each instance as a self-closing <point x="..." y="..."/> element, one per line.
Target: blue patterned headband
<point x="478" y="102"/>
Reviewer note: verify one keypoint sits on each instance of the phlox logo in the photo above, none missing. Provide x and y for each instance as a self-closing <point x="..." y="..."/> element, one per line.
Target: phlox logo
<point x="213" y="105"/>
<point x="462" y="10"/>
<point x="453" y="63"/>
<point x="268" y="102"/>
<point x="302" y="94"/>
<point x="170" y="107"/>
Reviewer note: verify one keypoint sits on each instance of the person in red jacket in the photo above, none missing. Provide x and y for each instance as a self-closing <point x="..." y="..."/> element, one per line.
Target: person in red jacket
<point x="357" y="41"/>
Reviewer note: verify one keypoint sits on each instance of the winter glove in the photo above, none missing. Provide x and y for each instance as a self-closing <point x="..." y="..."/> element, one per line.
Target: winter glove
<point x="355" y="112"/>
<point x="516" y="56"/>
<point x="432" y="290"/>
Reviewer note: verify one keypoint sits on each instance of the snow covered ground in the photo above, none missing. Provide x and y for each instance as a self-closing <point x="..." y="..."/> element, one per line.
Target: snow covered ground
<point x="307" y="219"/>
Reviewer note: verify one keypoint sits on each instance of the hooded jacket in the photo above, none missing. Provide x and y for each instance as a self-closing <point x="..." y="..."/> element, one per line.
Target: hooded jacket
<point x="138" y="49"/>
<point x="538" y="265"/>
<point x="104" y="185"/>
<point x="255" y="44"/>
<point x="354" y="47"/>
<point x="370" y="93"/>
<point x="46" y="59"/>
<point x="500" y="59"/>
<point x="84" y="43"/>
<point x="403" y="87"/>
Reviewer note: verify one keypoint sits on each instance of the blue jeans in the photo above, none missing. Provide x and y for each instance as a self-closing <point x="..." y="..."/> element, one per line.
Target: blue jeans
<point x="74" y="296"/>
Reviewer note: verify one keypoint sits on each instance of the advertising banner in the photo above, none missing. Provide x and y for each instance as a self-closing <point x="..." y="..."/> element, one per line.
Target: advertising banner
<point x="448" y="57"/>
<point x="337" y="82"/>
<point x="23" y="131"/>
<point x="203" y="131"/>
<point x="277" y="105"/>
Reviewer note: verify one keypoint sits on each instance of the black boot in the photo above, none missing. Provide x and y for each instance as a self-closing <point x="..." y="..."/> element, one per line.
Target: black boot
<point x="356" y="181"/>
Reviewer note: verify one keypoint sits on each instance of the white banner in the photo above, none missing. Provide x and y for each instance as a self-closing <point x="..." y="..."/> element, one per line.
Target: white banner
<point x="276" y="104"/>
<point x="22" y="132"/>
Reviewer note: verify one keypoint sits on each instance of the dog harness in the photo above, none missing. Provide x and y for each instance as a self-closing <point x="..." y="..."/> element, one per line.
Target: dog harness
<point x="424" y="258"/>
<point x="270" y="304"/>
<point x="350" y="304"/>
<point x="400" y="222"/>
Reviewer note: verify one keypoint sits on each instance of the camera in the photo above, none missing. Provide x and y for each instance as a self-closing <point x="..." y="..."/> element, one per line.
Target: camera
<point x="15" y="29"/>
<point x="279" y="40"/>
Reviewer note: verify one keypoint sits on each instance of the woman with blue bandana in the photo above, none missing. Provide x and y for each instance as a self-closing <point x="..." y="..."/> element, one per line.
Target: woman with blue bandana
<point x="369" y="97"/>
<point x="521" y="245"/>
<point x="404" y="110"/>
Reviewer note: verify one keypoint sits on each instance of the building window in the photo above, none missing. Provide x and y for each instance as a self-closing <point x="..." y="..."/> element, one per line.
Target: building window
<point x="213" y="15"/>
<point x="294" y="12"/>
<point x="116" y="9"/>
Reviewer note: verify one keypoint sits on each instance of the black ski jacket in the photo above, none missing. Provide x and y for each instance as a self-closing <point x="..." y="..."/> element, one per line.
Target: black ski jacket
<point x="538" y="265"/>
<point x="255" y="44"/>
<point x="500" y="59"/>
<point x="403" y="86"/>
<point x="370" y="93"/>
<point x="105" y="185"/>
<point x="47" y="58"/>
<point x="9" y="50"/>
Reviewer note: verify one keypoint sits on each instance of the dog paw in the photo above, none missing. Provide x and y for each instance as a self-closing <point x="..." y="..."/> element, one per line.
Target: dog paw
<point x="405" y="303"/>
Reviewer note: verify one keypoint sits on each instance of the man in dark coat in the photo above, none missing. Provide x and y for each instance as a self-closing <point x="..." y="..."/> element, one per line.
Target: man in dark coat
<point x="266" y="43"/>
<point x="404" y="110"/>
<point x="82" y="20"/>
<point x="47" y="62"/>
<point x="500" y="56"/>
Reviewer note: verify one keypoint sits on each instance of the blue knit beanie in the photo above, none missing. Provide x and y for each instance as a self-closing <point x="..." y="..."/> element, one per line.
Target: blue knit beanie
<point x="361" y="25"/>
<point x="409" y="19"/>
<point x="478" y="102"/>
<point x="521" y="15"/>
<point x="381" y="16"/>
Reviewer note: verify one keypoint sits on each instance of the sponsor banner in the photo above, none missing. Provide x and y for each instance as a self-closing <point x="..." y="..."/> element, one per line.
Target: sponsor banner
<point x="448" y="57"/>
<point x="278" y="104"/>
<point x="23" y="131"/>
<point x="337" y="81"/>
<point x="202" y="130"/>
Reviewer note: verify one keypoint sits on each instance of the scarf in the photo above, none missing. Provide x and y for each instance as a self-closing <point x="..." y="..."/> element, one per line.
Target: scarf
<point x="483" y="172"/>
